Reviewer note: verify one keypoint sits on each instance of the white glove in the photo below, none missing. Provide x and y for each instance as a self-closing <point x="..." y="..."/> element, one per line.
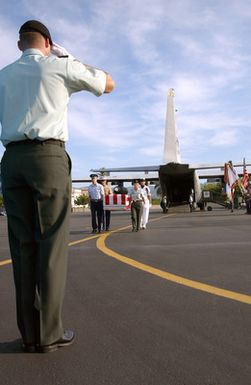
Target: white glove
<point x="57" y="50"/>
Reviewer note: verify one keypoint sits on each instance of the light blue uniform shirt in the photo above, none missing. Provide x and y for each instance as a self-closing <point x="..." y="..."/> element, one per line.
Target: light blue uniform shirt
<point x="34" y="94"/>
<point x="96" y="191"/>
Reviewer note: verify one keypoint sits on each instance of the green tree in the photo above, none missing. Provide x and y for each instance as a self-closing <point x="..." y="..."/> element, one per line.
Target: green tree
<point x="81" y="200"/>
<point x="214" y="187"/>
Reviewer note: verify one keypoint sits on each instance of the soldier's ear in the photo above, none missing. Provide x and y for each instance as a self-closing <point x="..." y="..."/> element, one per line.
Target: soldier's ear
<point x="47" y="42"/>
<point x="19" y="44"/>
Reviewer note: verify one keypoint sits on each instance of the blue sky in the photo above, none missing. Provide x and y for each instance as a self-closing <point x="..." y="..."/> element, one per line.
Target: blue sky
<point x="199" y="48"/>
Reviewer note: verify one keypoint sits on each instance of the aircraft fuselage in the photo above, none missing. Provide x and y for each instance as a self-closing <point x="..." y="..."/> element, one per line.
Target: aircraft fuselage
<point x="177" y="181"/>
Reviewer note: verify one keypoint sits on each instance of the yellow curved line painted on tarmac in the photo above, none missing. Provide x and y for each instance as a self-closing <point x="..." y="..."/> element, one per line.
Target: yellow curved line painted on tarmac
<point x="73" y="243"/>
<point x="83" y="240"/>
<point x="171" y="277"/>
<point x="160" y="273"/>
<point x="5" y="262"/>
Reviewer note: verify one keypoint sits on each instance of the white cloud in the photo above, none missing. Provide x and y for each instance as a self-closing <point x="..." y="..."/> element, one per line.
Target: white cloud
<point x="199" y="48"/>
<point x="224" y="138"/>
<point x="96" y="122"/>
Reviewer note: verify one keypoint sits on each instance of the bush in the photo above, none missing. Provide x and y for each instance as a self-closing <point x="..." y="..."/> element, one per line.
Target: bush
<point x="81" y="200"/>
<point x="155" y="201"/>
<point x="214" y="187"/>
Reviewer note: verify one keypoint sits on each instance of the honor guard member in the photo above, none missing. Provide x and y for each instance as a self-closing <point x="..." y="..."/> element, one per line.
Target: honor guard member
<point x="248" y="198"/>
<point x="106" y="213"/>
<point x="96" y="195"/>
<point x="191" y="200"/>
<point x="36" y="182"/>
<point x="137" y="199"/>
<point x="147" y="201"/>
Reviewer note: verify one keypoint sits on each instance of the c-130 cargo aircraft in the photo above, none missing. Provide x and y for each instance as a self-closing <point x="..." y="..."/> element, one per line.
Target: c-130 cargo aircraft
<point x="177" y="180"/>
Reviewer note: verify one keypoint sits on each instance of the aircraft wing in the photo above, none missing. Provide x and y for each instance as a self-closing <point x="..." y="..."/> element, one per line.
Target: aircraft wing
<point x="216" y="170"/>
<point x="121" y="178"/>
<point x="156" y="168"/>
<point x="128" y="169"/>
<point x="208" y="166"/>
<point x="210" y="174"/>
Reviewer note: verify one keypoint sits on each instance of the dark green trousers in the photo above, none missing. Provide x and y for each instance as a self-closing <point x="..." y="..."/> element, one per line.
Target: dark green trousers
<point x="36" y="187"/>
<point x="136" y="213"/>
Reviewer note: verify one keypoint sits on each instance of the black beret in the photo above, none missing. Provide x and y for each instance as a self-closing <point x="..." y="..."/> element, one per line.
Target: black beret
<point x="36" y="26"/>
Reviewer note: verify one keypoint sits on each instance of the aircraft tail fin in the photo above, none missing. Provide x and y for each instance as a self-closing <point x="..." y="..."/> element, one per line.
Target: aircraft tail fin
<point x="171" y="145"/>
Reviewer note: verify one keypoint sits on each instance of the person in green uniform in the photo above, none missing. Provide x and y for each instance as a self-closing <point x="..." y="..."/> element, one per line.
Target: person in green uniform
<point x="36" y="181"/>
<point x="137" y="200"/>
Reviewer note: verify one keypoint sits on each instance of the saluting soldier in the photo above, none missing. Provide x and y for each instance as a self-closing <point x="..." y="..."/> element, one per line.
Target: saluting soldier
<point x="36" y="182"/>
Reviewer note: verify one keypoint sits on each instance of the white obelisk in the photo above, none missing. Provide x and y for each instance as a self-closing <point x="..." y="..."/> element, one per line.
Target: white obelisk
<point x="171" y="146"/>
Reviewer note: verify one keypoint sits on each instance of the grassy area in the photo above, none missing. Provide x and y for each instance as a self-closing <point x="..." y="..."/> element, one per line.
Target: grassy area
<point x="155" y="201"/>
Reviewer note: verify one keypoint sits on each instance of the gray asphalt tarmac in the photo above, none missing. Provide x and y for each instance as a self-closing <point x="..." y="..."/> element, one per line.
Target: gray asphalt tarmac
<point x="166" y="306"/>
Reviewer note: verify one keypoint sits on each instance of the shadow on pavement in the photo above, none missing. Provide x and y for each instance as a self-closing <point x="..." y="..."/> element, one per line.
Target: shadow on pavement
<point x="11" y="347"/>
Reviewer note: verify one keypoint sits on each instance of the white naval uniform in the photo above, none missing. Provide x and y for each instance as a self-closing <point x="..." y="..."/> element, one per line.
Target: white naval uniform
<point x="145" y="214"/>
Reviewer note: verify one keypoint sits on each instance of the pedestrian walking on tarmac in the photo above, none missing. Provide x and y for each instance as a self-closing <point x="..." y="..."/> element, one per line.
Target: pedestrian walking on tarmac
<point x="137" y="200"/>
<point x="147" y="202"/>
<point x="96" y="196"/>
<point x="106" y="213"/>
